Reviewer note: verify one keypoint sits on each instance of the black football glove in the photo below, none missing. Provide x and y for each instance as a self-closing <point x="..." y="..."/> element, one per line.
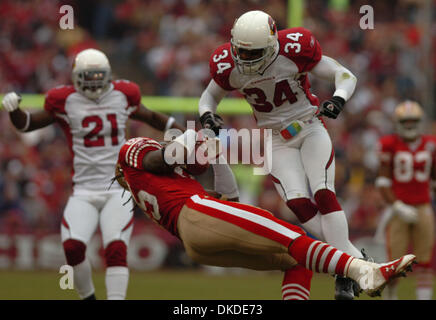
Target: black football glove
<point x="211" y="121"/>
<point x="331" y="108"/>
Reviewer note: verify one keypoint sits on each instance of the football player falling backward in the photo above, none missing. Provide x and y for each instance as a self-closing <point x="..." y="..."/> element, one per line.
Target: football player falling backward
<point x="230" y="234"/>
<point x="93" y="114"/>
<point x="407" y="161"/>
<point x="270" y="68"/>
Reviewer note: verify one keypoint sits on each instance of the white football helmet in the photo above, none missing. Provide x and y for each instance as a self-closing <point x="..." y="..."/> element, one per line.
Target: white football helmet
<point x="254" y="42"/>
<point x="408" y="117"/>
<point x="91" y="73"/>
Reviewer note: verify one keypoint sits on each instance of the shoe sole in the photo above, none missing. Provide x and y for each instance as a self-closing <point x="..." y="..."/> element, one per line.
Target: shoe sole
<point x="344" y="297"/>
<point x="404" y="267"/>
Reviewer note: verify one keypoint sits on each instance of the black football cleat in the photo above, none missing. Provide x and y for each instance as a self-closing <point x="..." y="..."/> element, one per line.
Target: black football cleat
<point x="90" y="297"/>
<point x="344" y="288"/>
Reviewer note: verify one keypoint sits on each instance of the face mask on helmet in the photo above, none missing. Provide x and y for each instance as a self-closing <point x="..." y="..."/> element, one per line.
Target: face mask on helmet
<point x="409" y="128"/>
<point x="92" y="83"/>
<point x="408" y="117"/>
<point x="250" y="62"/>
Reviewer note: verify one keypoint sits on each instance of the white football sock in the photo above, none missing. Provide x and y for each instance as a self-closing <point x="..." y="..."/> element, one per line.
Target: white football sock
<point x="83" y="279"/>
<point x="335" y="230"/>
<point x="314" y="227"/>
<point x="424" y="293"/>
<point x="117" y="279"/>
<point x="424" y="283"/>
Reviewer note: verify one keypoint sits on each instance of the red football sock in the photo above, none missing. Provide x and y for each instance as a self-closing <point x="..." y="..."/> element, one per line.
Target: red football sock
<point x="319" y="256"/>
<point x="296" y="283"/>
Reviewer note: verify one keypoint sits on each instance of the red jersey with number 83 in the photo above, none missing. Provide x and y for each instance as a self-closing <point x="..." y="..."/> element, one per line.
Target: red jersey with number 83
<point x="95" y="130"/>
<point x="411" y="165"/>
<point x="282" y="93"/>
<point x="161" y="197"/>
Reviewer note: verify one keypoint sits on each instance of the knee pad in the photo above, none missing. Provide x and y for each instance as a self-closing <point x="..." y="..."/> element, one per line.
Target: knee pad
<point x="303" y="208"/>
<point x="74" y="251"/>
<point x="326" y="201"/>
<point x="116" y="254"/>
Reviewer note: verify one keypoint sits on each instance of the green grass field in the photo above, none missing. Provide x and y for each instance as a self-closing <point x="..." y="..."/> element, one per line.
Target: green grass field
<point x="168" y="285"/>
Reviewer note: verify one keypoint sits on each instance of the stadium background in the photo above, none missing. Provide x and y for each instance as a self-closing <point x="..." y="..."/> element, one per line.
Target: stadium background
<point x="165" y="46"/>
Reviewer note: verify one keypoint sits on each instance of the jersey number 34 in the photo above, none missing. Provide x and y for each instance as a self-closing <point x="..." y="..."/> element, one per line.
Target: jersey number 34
<point x="282" y="93"/>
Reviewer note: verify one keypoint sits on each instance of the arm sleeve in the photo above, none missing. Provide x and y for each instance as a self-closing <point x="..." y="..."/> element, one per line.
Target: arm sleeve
<point x="225" y="182"/>
<point x="134" y="150"/>
<point x="211" y="97"/>
<point x="330" y="69"/>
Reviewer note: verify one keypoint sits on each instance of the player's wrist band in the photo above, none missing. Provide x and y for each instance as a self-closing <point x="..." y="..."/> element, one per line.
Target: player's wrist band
<point x="341" y="93"/>
<point x="188" y="141"/>
<point x="170" y="122"/>
<point x="339" y="101"/>
<point x="26" y="126"/>
<point x="381" y="182"/>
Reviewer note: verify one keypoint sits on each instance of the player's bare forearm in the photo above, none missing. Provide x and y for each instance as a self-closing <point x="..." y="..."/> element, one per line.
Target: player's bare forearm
<point x="384" y="182"/>
<point x="155" y="119"/>
<point x="387" y="194"/>
<point x="26" y="121"/>
<point x="154" y="162"/>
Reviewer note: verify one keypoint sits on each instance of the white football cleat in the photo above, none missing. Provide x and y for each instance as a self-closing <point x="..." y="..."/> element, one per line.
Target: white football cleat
<point x="386" y="272"/>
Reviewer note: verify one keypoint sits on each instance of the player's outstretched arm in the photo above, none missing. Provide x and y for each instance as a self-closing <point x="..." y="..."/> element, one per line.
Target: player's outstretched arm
<point x="24" y="120"/>
<point x="155" y="119"/>
<point x="208" y="104"/>
<point x="345" y="83"/>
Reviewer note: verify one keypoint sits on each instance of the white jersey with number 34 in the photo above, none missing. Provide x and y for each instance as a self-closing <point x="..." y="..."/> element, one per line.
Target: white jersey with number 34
<point x="282" y="93"/>
<point x="95" y="130"/>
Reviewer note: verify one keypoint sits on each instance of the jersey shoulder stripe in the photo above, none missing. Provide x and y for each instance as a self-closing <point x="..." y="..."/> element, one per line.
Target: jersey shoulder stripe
<point x="300" y="46"/>
<point x="134" y="150"/>
<point x="221" y="65"/>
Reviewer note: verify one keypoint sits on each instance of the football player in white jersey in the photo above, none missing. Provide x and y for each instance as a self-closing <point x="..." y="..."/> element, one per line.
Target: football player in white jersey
<point x="270" y="68"/>
<point x="93" y="113"/>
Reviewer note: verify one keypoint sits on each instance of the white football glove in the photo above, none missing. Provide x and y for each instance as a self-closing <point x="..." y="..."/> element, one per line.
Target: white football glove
<point x="11" y="101"/>
<point x="405" y="212"/>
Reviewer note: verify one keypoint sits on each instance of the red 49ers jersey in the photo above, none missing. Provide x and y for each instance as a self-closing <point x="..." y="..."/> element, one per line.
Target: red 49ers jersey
<point x="411" y="165"/>
<point x="95" y="130"/>
<point x="282" y="92"/>
<point x="161" y="197"/>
